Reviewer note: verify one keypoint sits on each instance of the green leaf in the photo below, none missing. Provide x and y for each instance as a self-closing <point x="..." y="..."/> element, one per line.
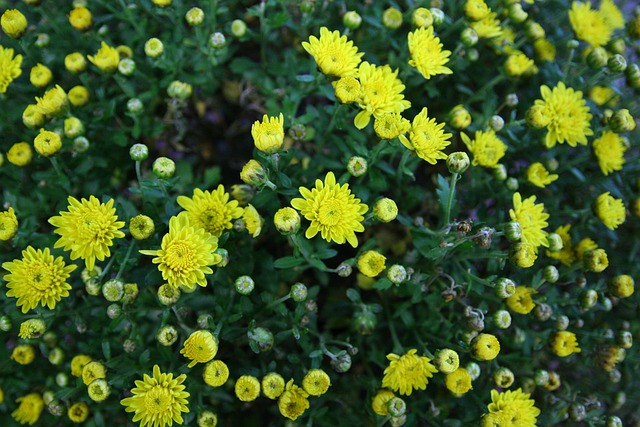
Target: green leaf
<point x="325" y="253"/>
<point x="353" y="295"/>
<point x="316" y="353"/>
<point x="287" y="262"/>
<point x="307" y="78"/>
<point x="383" y="284"/>
<point x="443" y="191"/>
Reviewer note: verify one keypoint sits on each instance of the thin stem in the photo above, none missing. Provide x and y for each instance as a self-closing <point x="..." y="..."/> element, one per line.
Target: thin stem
<point x="568" y="64"/>
<point x="106" y="269"/>
<point x="64" y="181"/>
<point x="397" y="347"/>
<point x="180" y="322"/>
<point x="126" y="258"/>
<point x="454" y="179"/>
<point x="216" y="333"/>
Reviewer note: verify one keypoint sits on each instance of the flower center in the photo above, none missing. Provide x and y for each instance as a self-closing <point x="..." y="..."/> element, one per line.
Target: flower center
<point x="179" y="256"/>
<point x="330" y="212"/>
<point x="212" y="219"/>
<point x="40" y="277"/>
<point x="157" y="401"/>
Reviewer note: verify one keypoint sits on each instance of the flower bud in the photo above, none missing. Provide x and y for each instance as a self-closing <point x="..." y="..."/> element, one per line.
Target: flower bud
<point x="551" y="274"/>
<point x="126" y="66"/>
<point x="538" y="116"/>
<point x="207" y="419"/>
<point x="597" y="58"/>
<point x="385" y="210"/>
<point x="179" y="90"/>
<point x="588" y="299"/>
<point x="344" y="270"/>
<point x="632" y="73"/>
<point x="134" y="106"/>
<point x="13" y="23"/>
<point x="357" y="166"/>
<point x="512" y="184"/>
<point x="422" y="18"/>
<point x="446" y="361"/>
<point x="129" y="346"/>
<point x="622" y="121"/>
<point x="505" y="287"/>
<point x="244" y="285"/>
<point x="141" y="227"/>
<point x="624" y="339"/>
<point x="56" y="356"/>
<point x="93" y="287"/>
<point x="80" y="144"/>
<point x="542" y="312"/>
<point x="392" y="18"/>
<point x="365" y="321"/>
<point x="613" y="421"/>
<point x="164" y="167"/>
<point x="113" y="290"/>
<point x="511" y="100"/>
<point x="398" y="421"/>
<point x="577" y="412"/>
<point x="98" y="390"/>
<point x="287" y="221"/>
<point x="472" y="54"/>
<point x="573" y="44"/>
<point x="595" y="260"/>
<point x="153" y="47"/>
<point x="352" y="20"/>
<point x="516" y="13"/>
<point x="469" y="37"/>
<point x="32" y="329"/>
<point x="40" y="75"/>
<point x="243" y="193"/>
<point x="298" y="292"/>
<point x="617" y="63"/>
<point x="47" y="143"/>
<point x="621" y="286"/>
<point x="50" y="339"/>
<point x="396" y="407"/>
<point x="114" y="311"/>
<point x="260" y="339"/>
<point x="513" y="231"/>
<point x="238" y="28"/>
<point x="500" y="172"/>
<point x="496" y="123"/>
<point x="217" y="40"/>
<point x="502" y="319"/>
<point x="55" y="407"/>
<point x="253" y="173"/>
<point x="541" y="377"/>
<point x="167" y="335"/>
<point x="168" y="295"/>
<point x="522" y="255"/>
<point x="458" y="162"/>
<point x="341" y="363"/>
<point x="474" y="370"/>
<point x="62" y="379"/>
<point x="503" y="377"/>
<point x="533" y="30"/>
<point x="5" y="323"/>
<point x="554" y="242"/>
<point x="397" y="274"/>
<point x="194" y="16"/>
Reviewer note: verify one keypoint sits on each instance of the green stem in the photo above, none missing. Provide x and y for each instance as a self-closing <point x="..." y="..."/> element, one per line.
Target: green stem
<point x="568" y="64"/>
<point x="305" y="255"/>
<point x="216" y="333"/>
<point x="454" y="179"/>
<point x="64" y="181"/>
<point x="106" y="269"/>
<point x="126" y="258"/>
<point x="278" y="301"/>
<point x="397" y="347"/>
<point x="187" y="329"/>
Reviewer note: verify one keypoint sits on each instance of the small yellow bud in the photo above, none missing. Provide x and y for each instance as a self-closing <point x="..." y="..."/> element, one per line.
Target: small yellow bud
<point x="385" y="210"/>
<point x="47" y="143"/>
<point x="75" y="62"/>
<point x="14" y="23"/>
<point x="392" y="18"/>
<point x="141" y="227"/>
<point x="80" y="18"/>
<point x="153" y="47"/>
<point x="40" y="75"/>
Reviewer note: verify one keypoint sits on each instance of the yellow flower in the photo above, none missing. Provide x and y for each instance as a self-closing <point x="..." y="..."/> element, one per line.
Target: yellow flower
<point x="20" y="154"/>
<point x="391" y="125"/>
<point x="532" y="219"/>
<point x="92" y="371"/>
<point x="47" y="143"/>
<point x="459" y="381"/>
<point x="52" y="102"/>
<point x="380" y="400"/>
<point x="87" y="229"/>
<point x="252" y="221"/>
<point x="476" y="9"/>
<point x="539" y="176"/>
<point x="186" y="254"/>
<point x="158" y="400"/>
<point x="98" y="390"/>
<point x="601" y="94"/>
<point x="564" y="343"/>
<point x="609" y="150"/>
<point x="567" y="254"/>
<point x="80" y="18"/>
<point x="485" y="347"/>
<point x="585" y="245"/>
<point x="488" y="27"/>
<point x="611" y="15"/>
<point x="30" y="408"/>
<point x="286" y="221"/>
<point x="426" y="53"/>
<point x="381" y="93"/>
<point x="14" y="23"/>
<point x="589" y="25"/>
<point x="518" y="64"/>
<point x="273" y="385"/>
<point x="9" y="67"/>
<point x="622" y="286"/>
<point x="427" y="138"/>
<point x="32" y="328"/>
<point x="23" y="354"/>
<point x="545" y="50"/>
<point x="78" y="363"/>
<point x="8" y="224"/>
<point x="486" y="147"/>
<point x="78" y="96"/>
<point x="210" y="210"/>
<point x="316" y="382"/>
<point x="407" y="372"/>
<point x="268" y="135"/>
<point x="200" y="347"/>
<point x="460" y="118"/>
<point x="333" y="211"/>
<point x="107" y="58"/>
<point x="371" y="263"/>
<point x="40" y="75"/>
<point x="78" y="412"/>
<point x="521" y="301"/>
<point x="75" y="62"/>
<point x="515" y="407"/>
<point x="293" y="402"/>
<point x="609" y="210"/>
<point x="31" y="117"/>
<point x="216" y="373"/>
<point x="141" y="227"/>
<point x="334" y="54"/>
<point x="38" y="278"/>
<point x="347" y="89"/>
<point x="162" y="3"/>
<point x="247" y="388"/>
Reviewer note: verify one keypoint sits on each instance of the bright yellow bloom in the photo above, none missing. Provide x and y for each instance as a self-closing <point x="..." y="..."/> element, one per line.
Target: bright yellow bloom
<point x="407" y="372"/>
<point x="87" y="229"/>
<point x="31" y="117"/>
<point x="381" y="93"/>
<point x="268" y="135"/>
<point x="47" y="143"/>
<point x="92" y="371"/>
<point x="564" y="343"/>
<point x="609" y="210"/>
<point x="427" y="138"/>
<point x="589" y="25"/>
<point x="609" y="150"/>
<point x="32" y="328"/>
<point x="521" y="301"/>
<point x="30" y="408"/>
<point x="158" y="400"/>
<point x="391" y="125"/>
<point x="200" y="347"/>
<point x="485" y="347"/>
<point x="426" y="53"/>
<point x="293" y="402"/>
<point x="79" y="96"/>
<point x="75" y="62"/>
<point x="347" y="89"/>
<point x="371" y="263"/>
<point x="380" y="400"/>
<point x="333" y="211"/>
<point x="8" y="224"/>
<point x="585" y="245"/>
<point x="488" y="27"/>
<point x="567" y="254"/>
<point x="334" y="54"/>
<point x="78" y="412"/>
<point x="515" y="408"/>
<point x="40" y="75"/>
<point x="252" y="221"/>
<point x="107" y="58"/>
<point x="13" y="23"/>
<point x="78" y="363"/>
<point x="52" y="102"/>
<point x="20" y="154"/>
<point x="80" y="18"/>
<point x="518" y="64"/>
<point x="602" y="94"/>
<point x="273" y="385"/>
<point x="23" y="354"/>
<point x="316" y="382"/>
<point x="476" y="9"/>
<point x="611" y="15"/>
<point x="622" y="286"/>
<point x="539" y="176"/>
<point x="38" y="278"/>
<point x="545" y="50"/>
<point x="186" y="254"/>
<point x="210" y="210"/>
<point x="459" y="381"/>
<point x="9" y="67"/>
<point x="247" y="388"/>
<point x="532" y="219"/>
<point x="486" y="147"/>
<point x="216" y="373"/>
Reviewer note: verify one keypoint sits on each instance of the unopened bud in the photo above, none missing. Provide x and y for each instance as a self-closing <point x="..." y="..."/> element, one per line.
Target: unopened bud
<point x="597" y="58"/>
<point x="505" y="287"/>
<point x="551" y="274"/>
<point x="512" y="184"/>
<point x="194" y="17"/>
<point x="541" y="377"/>
<point x="622" y="121"/>
<point x="538" y="116"/>
<point x="396" y="407"/>
<point x="238" y="28"/>
<point x="153" y="47"/>
<point x="168" y="295"/>
<point x="513" y="231"/>
<point x="352" y="20"/>
<point x="167" y="335"/>
<point x="503" y="377"/>
<point x="298" y="292"/>
<point x="502" y="319"/>
<point x="511" y="100"/>
<point x="624" y="339"/>
<point x="621" y="286"/>
<point x="217" y="40"/>
<point x="588" y="299"/>
<point x="260" y="339"/>
<point x="126" y="66"/>
<point x="385" y="210"/>
<point x="469" y="37"/>
<point x="500" y="172"/>
<point x="613" y="421"/>
<point x="517" y="14"/>
<point x="446" y="360"/>
<point x="392" y="18"/>
<point x="253" y="173"/>
<point x="533" y="30"/>
<point x="577" y="412"/>
<point x="357" y="166"/>
<point x="114" y="311"/>
<point x="244" y="285"/>
<point x="496" y="123"/>
<point x="422" y="18"/>
<point x="342" y="363"/>
<point x="134" y="105"/>
<point x="397" y="274"/>
<point x="287" y="221"/>
<point x="164" y="167"/>
<point x="458" y="162"/>
<point x="542" y="312"/>
<point x="113" y="290"/>
<point x="617" y="63"/>
<point x="365" y="321"/>
<point x="554" y="242"/>
<point x="179" y="90"/>
<point x="438" y="15"/>
<point x="344" y="270"/>
<point x="595" y="260"/>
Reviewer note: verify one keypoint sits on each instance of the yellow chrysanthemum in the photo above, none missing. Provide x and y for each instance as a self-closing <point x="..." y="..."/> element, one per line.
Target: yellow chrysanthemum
<point x="518" y="64"/>
<point x="459" y="381"/>
<point x="252" y="221"/>
<point x="488" y="27"/>
<point x="567" y="254"/>
<point x="8" y="224"/>
<point x="407" y="372"/>
<point x="334" y="54"/>
<point x="216" y="373"/>
<point x="87" y="229"/>
<point x="589" y="24"/>
<point x="30" y="408"/>
<point x="247" y="388"/>
<point x="611" y="15"/>
<point x="9" y="67"/>
<point x="32" y="328"/>
<point x="38" y="278"/>
<point x="40" y="75"/>
<point x="78" y="363"/>
<point x="80" y="18"/>
<point x="200" y="347"/>
<point x="427" y="138"/>
<point x="107" y="58"/>
<point x="391" y="125"/>
<point x="486" y="147"/>
<point x="515" y="408"/>
<point x="532" y="219"/>
<point x="545" y="50"/>
<point x="564" y="343"/>
<point x="333" y="211"/>
<point x="380" y="400"/>
<point x="585" y="245"/>
<point x="609" y="150"/>
<point x="602" y="94"/>
<point x="210" y="210"/>
<point x="159" y="400"/>
<point x="426" y="53"/>
<point x="52" y="102"/>
<point x="539" y="176"/>
<point x="316" y="382"/>
<point x="521" y="301"/>
<point x="23" y="354"/>
<point x="476" y="9"/>
<point x="609" y="210"/>
<point x="78" y="412"/>
<point x="186" y="254"/>
<point x="268" y="135"/>
<point x="381" y="93"/>
<point x="371" y="263"/>
<point x="347" y="89"/>
<point x="569" y="115"/>
<point x="13" y="23"/>
<point x="273" y="385"/>
<point x="293" y="402"/>
<point x="485" y="347"/>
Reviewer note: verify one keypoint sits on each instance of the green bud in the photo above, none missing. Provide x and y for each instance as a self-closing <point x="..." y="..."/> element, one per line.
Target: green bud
<point x="297" y="132"/>
<point x="73" y="127"/>
<point x="364" y="321"/>
<point x="253" y="173"/>
<point x="511" y="100"/>
<point x="469" y="37"/>
<point x="624" y="339"/>
<point x="287" y="221"/>
<point x="517" y="14"/>
<point x="505" y="287"/>
<point x="238" y="28"/>
<point x="513" y="231"/>
<point x="62" y="379"/>
<point x="597" y="58"/>
<point x="55" y="407"/>
<point x="511" y="183"/>
<point x="194" y="17"/>
<point x="80" y="145"/>
<point x="126" y="66"/>
<point x="613" y="421"/>
<point x="260" y="339"/>
<point x="342" y="363"/>
<point x="244" y="285"/>
<point x="617" y="46"/>
<point x="129" y="346"/>
<point x="496" y="123"/>
<point x="392" y="18"/>
<point x="397" y="274"/>
<point x="134" y="105"/>
<point x="632" y="72"/>
<point x="298" y="292"/>
<point x="56" y="356"/>
<point x="458" y="162"/>
<point x="385" y="210"/>
<point x="472" y="54"/>
<point x="500" y="172"/>
<point x="622" y="121"/>
<point x="562" y="323"/>
<point x="306" y="6"/>
<point x="167" y="335"/>
<point x="588" y="299"/>
<point x="577" y="412"/>
<point x="573" y="44"/>
<point x="113" y="290"/>
<point x="541" y="377"/>
<point x="551" y="274"/>
<point x="398" y="421"/>
<point x="357" y="166"/>
<point x="344" y="270"/>
<point x="533" y="30"/>
<point x="503" y="377"/>
<point x="352" y="20"/>
<point x="446" y="360"/>
<point x="422" y="18"/>
<point x="502" y="319"/>
<point x="153" y="47"/>
<point x="93" y="287"/>
<point x="474" y="370"/>
<point x="542" y="312"/>
<point x="179" y="90"/>
<point x="114" y="311"/>
<point x="438" y="15"/>
<point x="164" y="167"/>
<point x="50" y="339"/>
<point x="617" y="63"/>
<point x="168" y="295"/>
<point x="217" y="40"/>
<point x="396" y="407"/>
<point x="141" y="227"/>
<point x="554" y="242"/>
